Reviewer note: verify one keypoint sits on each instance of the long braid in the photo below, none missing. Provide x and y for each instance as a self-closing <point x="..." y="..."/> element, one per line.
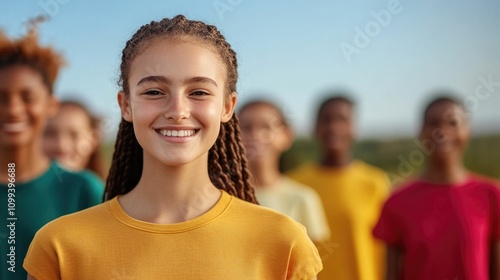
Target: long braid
<point x="227" y="165"/>
<point x="126" y="167"/>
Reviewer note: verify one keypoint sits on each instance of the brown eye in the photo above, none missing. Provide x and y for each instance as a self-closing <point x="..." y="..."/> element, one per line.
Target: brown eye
<point x="199" y="93"/>
<point x="27" y="96"/>
<point x="153" y="92"/>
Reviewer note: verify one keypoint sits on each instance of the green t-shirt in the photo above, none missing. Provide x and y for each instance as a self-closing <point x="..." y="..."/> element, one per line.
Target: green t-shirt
<point x="55" y="193"/>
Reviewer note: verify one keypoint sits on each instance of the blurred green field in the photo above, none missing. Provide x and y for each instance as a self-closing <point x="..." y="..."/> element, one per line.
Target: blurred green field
<point x="398" y="157"/>
<point x="401" y="157"/>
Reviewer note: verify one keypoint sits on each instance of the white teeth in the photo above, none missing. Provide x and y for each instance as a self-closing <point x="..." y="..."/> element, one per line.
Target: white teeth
<point x="14" y="127"/>
<point x="176" y="133"/>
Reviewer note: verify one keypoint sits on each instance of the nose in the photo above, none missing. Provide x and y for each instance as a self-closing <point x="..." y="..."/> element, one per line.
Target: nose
<point x="62" y="143"/>
<point x="177" y="107"/>
<point x="15" y="106"/>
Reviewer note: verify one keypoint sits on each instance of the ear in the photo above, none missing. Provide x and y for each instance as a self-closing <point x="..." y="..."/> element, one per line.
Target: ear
<point x="229" y="105"/>
<point x="96" y="138"/>
<point x="289" y="138"/>
<point x="52" y="106"/>
<point x="124" y="103"/>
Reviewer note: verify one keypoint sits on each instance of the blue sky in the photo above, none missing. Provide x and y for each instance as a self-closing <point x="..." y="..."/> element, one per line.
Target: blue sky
<point x="291" y="51"/>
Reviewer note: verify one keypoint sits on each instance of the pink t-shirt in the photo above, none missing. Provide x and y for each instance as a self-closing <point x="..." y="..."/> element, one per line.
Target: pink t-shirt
<point x="445" y="231"/>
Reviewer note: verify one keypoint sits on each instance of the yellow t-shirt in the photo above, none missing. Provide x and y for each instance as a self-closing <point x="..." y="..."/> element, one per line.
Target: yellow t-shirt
<point x="298" y="201"/>
<point x="353" y="197"/>
<point x="233" y="240"/>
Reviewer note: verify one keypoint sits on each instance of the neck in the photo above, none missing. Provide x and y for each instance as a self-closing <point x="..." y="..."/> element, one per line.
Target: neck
<point x="30" y="162"/>
<point x="445" y="172"/>
<point x="171" y="194"/>
<point x="337" y="159"/>
<point x="265" y="173"/>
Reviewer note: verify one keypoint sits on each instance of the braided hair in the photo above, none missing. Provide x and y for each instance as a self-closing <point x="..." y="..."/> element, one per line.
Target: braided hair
<point x="227" y="164"/>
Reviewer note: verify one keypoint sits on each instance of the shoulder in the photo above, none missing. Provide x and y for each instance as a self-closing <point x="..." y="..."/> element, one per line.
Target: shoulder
<point x="405" y="192"/>
<point x="371" y="171"/>
<point x="82" y="179"/>
<point x="265" y="219"/>
<point x="302" y="170"/>
<point x="84" y="176"/>
<point x="486" y="183"/>
<point x="484" y="180"/>
<point x="374" y="177"/>
<point x="298" y="189"/>
<point x="279" y="235"/>
<point x="74" y="224"/>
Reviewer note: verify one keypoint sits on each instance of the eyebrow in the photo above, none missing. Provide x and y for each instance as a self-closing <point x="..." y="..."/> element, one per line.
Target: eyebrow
<point x="157" y="79"/>
<point x="200" y="79"/>
<point x="165" y="80"/>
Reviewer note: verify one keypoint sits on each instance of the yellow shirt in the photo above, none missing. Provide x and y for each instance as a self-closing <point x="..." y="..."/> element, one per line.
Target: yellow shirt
<point x="298" y="201"/>
<point x="233" y="240"/>
<point x="353" y="198"/>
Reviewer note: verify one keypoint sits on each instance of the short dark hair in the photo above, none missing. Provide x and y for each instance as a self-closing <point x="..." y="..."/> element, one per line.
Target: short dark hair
<point x="340" y="96"/>
<point x="442" y="97"/>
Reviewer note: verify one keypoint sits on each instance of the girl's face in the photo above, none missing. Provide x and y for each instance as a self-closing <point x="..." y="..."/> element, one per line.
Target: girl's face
<point x="69" y="138"/>
<point x="25" y="104"/>
<point x="446" y="131"/>
<point x="177" y="100"/>
<point x="263" y="132"/>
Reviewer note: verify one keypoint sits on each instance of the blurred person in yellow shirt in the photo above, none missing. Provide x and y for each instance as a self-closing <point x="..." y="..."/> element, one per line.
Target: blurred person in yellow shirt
<point x="352" y="193"/>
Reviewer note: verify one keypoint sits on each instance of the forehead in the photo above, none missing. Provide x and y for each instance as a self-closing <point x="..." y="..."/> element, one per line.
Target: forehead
<point x="72" y="110"/>
<point x="444" y="109"/>
<point x="335" y="107"/>
<point x="19" y="75"/>
<point x="175" y="57"/>
<point x="260" y="112"/>
<point x="71" y="116"/>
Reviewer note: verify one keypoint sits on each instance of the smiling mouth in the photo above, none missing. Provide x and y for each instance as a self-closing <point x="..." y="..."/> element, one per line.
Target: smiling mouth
<point x="177" y="133"/>
<point x="14" y="126"/>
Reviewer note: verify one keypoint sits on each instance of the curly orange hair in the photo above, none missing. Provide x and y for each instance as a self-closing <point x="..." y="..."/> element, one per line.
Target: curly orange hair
<point x="27" y="51"/>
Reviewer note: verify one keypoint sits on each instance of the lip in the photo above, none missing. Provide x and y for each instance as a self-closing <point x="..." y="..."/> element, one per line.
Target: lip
<point x="14" y="126"/>
<point x="170" y="131"/>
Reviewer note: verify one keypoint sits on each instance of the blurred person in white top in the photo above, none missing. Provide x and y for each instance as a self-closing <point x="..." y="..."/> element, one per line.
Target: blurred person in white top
<point x="266" y="134"/>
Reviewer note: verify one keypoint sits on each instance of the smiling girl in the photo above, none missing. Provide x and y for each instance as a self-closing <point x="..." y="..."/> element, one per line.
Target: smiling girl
<point x="39" y="189"/>
<point x="72" y="138"/>
<point x="179" y="205"/>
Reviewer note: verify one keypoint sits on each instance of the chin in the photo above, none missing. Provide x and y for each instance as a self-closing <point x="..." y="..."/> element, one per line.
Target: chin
<point x="176" y="161"/>
<point x="15" y="141"/>
<point x="444" y="156"/>
<point x="335" y="150"/>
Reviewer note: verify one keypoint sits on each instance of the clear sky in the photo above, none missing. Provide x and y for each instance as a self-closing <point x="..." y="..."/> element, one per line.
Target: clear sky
<point x="390" y="54"/>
